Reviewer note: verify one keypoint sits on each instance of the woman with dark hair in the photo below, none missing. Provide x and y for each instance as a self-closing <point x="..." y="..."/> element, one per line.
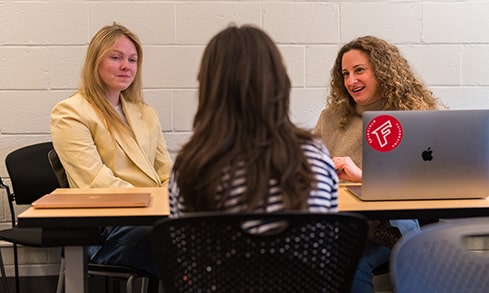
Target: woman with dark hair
<point x="245" y="154"/>
<point x="368" y="74"/>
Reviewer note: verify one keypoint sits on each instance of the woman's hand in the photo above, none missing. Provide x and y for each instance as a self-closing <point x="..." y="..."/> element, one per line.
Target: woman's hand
<point x="347" y="170"/>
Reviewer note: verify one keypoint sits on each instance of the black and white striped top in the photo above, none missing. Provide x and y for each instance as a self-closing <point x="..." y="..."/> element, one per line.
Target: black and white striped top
<point x="323" y="198"/>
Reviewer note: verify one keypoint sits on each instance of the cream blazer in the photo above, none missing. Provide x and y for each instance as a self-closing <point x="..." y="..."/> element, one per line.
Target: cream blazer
<point x="92" y="158"/>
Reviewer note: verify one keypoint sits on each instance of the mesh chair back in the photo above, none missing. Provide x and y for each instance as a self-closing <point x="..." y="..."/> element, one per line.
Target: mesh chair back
<point x="444" y="257"/>
<point x="217" y="253"/>
<point x="30" y="172"/>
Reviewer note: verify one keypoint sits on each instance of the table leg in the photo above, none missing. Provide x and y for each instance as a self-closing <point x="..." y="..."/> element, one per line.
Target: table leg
<point x="76" y="280"/>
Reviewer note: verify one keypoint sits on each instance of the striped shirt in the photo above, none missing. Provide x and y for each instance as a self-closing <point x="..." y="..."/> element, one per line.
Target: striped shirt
<point x="322" y="198"/>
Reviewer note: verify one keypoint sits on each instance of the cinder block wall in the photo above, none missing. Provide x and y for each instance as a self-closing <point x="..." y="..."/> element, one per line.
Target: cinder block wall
<point x="42" y="45"/>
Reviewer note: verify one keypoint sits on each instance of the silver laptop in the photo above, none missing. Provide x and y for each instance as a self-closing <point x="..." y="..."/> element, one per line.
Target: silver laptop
<point x="412" y="155"/>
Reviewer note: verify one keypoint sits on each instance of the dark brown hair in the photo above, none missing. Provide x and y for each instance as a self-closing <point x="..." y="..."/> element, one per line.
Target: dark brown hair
<point x="243" y="121"/>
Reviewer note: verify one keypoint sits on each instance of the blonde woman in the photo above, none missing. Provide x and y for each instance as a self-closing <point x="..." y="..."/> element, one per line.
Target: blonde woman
<point x="106" y="136"/>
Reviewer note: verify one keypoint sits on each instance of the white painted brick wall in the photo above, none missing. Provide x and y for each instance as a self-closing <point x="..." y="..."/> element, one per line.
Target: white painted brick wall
<point x="43" y="43"/>
<point x="395" y="21"/>
<point x="302" y="22"/>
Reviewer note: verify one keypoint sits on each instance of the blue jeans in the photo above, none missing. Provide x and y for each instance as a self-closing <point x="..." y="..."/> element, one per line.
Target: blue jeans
<point x="125" y="246"/>
<point x="375" y="255"/>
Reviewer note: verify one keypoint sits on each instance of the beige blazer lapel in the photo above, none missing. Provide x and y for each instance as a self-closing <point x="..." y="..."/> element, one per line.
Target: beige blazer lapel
<point x="137" y="150"/>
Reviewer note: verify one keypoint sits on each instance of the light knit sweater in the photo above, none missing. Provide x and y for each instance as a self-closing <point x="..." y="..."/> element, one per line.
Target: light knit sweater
<point x="347" y="141"/>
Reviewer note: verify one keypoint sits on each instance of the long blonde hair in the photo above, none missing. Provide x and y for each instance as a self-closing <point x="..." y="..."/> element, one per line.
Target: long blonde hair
<point x="93" y="88"/>
<point x="397" y="83"/>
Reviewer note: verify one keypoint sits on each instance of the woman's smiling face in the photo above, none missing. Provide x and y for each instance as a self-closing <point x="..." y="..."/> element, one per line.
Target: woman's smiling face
<point x="359" y="78"/>
<point x="118" y="69"/>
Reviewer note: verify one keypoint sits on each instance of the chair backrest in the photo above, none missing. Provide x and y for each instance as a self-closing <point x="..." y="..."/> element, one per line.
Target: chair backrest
<point x="30" y="172"/>
<point x="443" y="257"/>
<point x="216" y="252"/>
<point x="58" y="169"/>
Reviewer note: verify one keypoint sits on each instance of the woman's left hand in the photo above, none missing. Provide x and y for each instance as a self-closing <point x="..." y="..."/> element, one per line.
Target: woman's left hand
<point x="347" y="169"/>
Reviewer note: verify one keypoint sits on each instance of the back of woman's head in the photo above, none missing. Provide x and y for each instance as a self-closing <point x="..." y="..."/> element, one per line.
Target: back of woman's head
<point x="100" y="45"/>
<point x="242" y="120"/>
<point x="243" y="81"/>
<point x="397" y="82"/>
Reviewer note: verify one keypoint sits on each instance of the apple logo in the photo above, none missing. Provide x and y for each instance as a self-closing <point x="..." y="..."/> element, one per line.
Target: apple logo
<point x="427" y="154"/>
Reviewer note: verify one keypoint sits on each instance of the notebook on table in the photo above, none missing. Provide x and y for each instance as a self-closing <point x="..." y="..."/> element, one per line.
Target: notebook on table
<point x="92" y="200"/>
<point x="412" y="155"/>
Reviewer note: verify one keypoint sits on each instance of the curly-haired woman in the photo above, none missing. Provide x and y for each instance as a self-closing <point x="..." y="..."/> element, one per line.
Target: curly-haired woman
<point x="368" y="74"/>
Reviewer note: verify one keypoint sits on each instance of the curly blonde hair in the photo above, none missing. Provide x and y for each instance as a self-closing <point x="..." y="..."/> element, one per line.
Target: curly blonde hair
<point x="397" y="83"/>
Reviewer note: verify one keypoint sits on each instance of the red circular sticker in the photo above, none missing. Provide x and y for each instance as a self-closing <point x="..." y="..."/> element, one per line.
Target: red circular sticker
<point x="383" y="133"/>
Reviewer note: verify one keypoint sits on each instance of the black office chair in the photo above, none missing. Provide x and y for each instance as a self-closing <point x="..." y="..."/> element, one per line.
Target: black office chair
<point x="2" y="266"/>
<point x="448" y="257"/>
<point x="112" y="273"/>
<point x="217" y="252"/>
<point x="31" y="178"/>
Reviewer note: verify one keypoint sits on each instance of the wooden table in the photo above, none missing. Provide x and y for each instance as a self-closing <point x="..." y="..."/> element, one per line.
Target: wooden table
<point x="412" y="209"/>
<point x="69" y="221"/>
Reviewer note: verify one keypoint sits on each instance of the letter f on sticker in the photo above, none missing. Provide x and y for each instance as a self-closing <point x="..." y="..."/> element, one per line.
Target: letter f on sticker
<point x="382" y="132"/>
